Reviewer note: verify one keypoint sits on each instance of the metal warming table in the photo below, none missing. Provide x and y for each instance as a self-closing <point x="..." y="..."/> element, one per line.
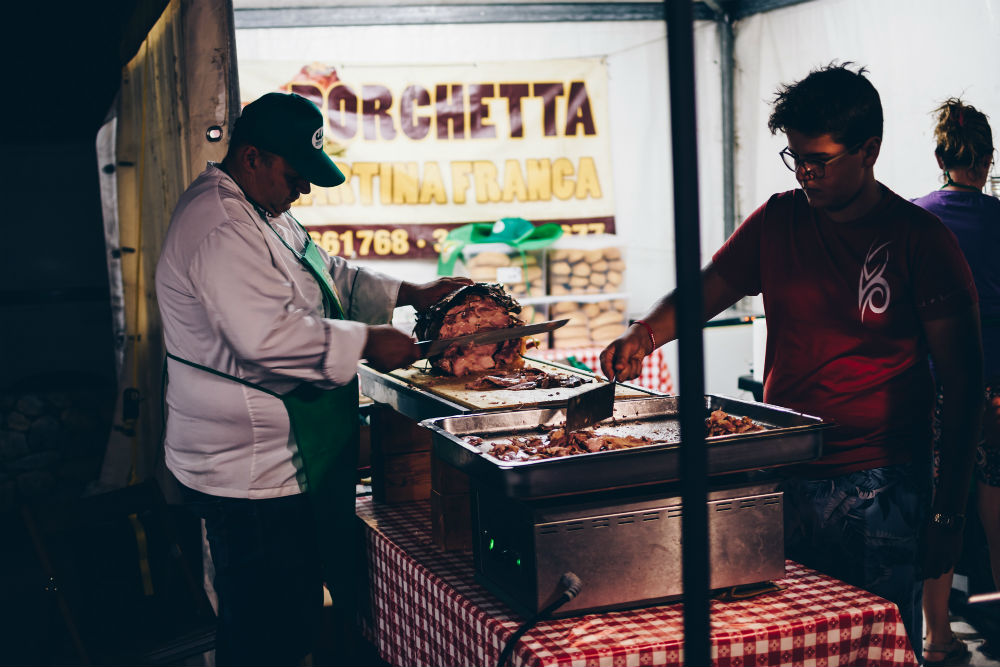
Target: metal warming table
<point x="613" y="518"/>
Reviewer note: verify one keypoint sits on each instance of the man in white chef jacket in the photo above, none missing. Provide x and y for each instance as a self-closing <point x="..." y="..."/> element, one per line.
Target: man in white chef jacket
<point x="252" y="312"/>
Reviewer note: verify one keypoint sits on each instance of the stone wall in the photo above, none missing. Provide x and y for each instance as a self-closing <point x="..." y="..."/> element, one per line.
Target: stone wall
<point x="53" y="434"/>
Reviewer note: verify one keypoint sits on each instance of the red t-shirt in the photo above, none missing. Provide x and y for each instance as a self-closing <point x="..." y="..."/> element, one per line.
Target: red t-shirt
<point x="844" y="302"/>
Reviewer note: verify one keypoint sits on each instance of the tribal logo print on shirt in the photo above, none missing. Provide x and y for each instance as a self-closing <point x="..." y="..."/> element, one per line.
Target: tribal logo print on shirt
<point x="873" y="289"/>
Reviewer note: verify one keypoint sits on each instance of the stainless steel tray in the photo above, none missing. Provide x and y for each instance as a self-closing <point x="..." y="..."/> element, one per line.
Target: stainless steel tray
<point x="792" y="437"/>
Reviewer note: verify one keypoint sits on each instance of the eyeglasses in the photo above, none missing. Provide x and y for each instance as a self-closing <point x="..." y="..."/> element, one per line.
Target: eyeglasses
<point x="814" y="167"/>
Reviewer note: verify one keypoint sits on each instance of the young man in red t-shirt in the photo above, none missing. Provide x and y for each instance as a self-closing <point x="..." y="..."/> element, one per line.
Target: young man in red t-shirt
<point x="859" y="287"/>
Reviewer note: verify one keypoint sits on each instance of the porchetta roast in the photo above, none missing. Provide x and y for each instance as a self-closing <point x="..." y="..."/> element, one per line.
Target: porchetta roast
<point x="470" y="309"/>
<point x="485" y="307"/>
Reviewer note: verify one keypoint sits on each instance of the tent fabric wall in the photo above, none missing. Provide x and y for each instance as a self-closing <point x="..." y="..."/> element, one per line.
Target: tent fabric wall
<point x="918" y="53"/>
<point x="180" y="81"/>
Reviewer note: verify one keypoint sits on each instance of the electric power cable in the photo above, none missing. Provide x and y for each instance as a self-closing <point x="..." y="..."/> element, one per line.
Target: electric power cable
<point x="571" y="585"/>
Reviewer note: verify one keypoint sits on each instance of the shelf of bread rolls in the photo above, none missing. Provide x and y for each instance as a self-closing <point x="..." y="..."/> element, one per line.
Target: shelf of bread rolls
<point x="522" y="274"/>
<point x="591" y="323"/>
<point x="596" y="270"/>
<point x="586" y="279"/>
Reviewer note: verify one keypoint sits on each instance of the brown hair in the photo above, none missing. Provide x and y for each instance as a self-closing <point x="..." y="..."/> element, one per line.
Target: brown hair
<point x="963" y="135"/>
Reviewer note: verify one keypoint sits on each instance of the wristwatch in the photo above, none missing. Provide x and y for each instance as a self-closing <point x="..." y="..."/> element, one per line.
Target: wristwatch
<point x="949" y="520"/>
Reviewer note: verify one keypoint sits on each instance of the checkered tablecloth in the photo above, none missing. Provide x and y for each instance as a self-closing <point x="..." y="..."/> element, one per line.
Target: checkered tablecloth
<point x="655" y="373"/>
<point x="426" y="609"/>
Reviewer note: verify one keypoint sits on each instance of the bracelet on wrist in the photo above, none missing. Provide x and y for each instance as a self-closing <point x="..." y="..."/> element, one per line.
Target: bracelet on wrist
<point x="649" y="330"/>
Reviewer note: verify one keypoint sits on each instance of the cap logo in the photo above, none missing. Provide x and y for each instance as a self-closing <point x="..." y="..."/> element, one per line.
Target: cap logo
<point x="317" y="139"/>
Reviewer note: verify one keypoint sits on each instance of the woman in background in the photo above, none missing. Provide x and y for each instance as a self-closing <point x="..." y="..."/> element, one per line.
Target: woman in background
<point x="964" y="153"/>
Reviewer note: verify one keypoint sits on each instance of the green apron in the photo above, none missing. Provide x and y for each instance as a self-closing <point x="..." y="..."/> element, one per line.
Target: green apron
<point x="325" y="424"/>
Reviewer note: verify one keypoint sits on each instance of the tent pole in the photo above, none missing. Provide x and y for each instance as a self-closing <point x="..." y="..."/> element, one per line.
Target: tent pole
<point x="693" y="458"/>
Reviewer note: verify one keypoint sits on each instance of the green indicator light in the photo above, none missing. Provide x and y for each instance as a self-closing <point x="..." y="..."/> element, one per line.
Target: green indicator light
<point x="492" y="544"/>
<point x="518" y="562"/>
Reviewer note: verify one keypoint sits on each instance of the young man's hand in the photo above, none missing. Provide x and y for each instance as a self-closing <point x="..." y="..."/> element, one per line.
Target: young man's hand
<point x="389" y="348"/>
<point x="622" y="359"/>
<point x="425" y="295"/>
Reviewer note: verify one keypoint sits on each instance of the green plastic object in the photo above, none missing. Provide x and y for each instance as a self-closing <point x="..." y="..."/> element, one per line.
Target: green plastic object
<point x="576" y="363"/>
<point x="518" y="233"/>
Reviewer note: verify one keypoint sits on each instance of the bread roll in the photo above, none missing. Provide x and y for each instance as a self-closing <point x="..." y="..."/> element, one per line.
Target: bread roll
<point x="614" y="278"/>
<point x="599" y="279"/>
<point x="571" y="331"/>
<point x="558" y="255"/>
<point x="578" y="282"/>
<point x="605" y="318"/>
<point x="612" y="253"/>
<point x="490" y="258"/>
<point x="591" y="309"/>
<point x="617" y="265"/>
<point x="533" y="273"/>
<point x="558" y="290"/>
<point x="560" y="269"/>
<point x="575" y="256"/>
<point x="481" y="274"/>
<point x="601" y="266"/>
<point x="607" y="333"/>
<point x="581" y="269"/>
<point x="561" y="307"/>
<point x="592" y="256"/>
<point x="619" y="304"/>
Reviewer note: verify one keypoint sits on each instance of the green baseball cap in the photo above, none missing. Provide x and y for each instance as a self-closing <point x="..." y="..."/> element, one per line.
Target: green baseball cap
<point x="291" y="126"/>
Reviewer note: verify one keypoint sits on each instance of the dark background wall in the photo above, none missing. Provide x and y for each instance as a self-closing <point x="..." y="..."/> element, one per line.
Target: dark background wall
<point x="54" y="297"/>
<point x="60" y="74"/>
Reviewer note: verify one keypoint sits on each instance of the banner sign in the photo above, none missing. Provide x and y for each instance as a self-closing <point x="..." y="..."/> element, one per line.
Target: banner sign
<point x="426" y="148"/>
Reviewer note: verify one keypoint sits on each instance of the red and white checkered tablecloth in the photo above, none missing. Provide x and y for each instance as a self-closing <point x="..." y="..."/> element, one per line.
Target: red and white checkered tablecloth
<point x="655" y="373"/>
<point x="428" y="610"/>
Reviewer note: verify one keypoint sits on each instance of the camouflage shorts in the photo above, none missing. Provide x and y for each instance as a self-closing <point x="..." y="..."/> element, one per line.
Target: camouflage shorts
<point x="863" y="528"/>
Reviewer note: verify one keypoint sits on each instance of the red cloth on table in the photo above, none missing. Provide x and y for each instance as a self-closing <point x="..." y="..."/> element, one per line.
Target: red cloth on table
<point x="427" y="609"/>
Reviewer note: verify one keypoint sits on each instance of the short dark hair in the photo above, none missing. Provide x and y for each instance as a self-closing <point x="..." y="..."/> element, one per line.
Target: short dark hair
<point x="832" y="100"/>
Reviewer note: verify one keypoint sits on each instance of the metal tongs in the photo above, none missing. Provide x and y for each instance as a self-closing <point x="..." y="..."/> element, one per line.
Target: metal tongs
<point x="591" y="406"/>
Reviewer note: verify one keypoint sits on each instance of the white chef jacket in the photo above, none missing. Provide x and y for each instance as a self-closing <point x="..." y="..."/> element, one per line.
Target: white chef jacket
<point x="233" y="298"/>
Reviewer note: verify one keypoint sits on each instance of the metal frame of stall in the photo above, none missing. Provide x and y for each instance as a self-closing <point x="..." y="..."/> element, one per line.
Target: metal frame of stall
<point x="679" y="16"/>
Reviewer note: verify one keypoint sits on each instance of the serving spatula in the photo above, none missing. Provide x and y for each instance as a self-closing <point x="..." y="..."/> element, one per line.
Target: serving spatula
<point x="591" y="406"/>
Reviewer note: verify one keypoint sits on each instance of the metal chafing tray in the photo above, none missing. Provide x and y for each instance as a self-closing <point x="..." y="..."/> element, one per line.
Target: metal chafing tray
<point x="790" y="437"/>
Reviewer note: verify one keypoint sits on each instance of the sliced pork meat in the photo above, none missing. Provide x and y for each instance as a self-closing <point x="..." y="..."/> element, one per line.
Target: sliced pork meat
<point x="470" y="309"/>
<point x="558" y="443"/>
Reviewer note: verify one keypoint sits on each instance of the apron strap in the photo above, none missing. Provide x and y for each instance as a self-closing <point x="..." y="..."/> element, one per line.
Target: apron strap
<point x="220" y="374"/>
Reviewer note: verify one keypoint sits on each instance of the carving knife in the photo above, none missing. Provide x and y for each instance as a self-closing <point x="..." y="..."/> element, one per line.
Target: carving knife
<point x="430" y="348"/>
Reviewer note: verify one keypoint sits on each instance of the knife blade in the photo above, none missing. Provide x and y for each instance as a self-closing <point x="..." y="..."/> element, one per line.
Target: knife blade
<point x="591" y="406"/>
<point x="429" y="348"/>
